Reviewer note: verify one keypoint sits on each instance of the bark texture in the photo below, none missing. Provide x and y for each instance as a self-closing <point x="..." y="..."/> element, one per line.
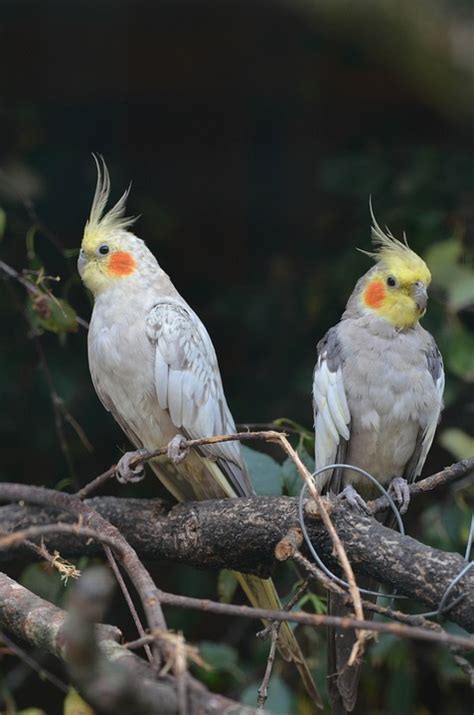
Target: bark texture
<point x="107" y="674"/>
<point x="242" y="534"/>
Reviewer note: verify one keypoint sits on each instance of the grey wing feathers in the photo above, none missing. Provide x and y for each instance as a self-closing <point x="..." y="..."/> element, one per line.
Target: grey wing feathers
<point x="434" y="363"/>
<point x="188" y="384"/>
<point x="331" y="411"/>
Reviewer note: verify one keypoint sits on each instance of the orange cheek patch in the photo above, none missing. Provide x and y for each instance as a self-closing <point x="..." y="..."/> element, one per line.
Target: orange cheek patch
<point x="121" y="263"/>
<point x="374" y="294"/>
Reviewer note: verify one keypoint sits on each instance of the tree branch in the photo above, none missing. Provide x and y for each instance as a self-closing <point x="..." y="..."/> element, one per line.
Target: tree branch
<point x="242" y="534"/>
<point x="91" y="519"/>
<point x="97" y="654"/>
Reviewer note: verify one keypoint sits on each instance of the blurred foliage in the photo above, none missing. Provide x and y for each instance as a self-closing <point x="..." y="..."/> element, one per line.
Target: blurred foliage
<point x="75" y="705"/>
<point x="253" y="156"/>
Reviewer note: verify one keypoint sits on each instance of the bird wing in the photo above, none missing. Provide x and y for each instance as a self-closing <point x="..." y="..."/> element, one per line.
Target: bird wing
<point x="189" y="386"/>
<point x="434" y="364"/>
<point x="109" y="405"/>
<point x="331" y="411"/>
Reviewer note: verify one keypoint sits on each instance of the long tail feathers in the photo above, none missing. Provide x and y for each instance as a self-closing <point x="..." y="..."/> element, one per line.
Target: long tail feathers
<point x="184" y="485"/>
<point x="262" y="594"/>
<point x="343" y="680"/>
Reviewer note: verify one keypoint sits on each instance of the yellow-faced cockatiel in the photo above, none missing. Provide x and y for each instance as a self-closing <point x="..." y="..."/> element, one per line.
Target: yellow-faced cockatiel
<point x="377" y="396"/>
<point x="155" y="369"/>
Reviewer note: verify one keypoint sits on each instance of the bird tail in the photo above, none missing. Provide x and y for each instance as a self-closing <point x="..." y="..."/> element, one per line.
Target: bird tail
<point x="262" y="594"/>
<point x="343" y="679"/>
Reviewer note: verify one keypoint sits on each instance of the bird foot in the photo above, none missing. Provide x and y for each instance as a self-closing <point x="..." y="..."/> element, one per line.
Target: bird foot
<point x="354" y="499"/>
<point x="177" y="451"/>
<point x="401" y="491"/>
<point x="125" y="473"/>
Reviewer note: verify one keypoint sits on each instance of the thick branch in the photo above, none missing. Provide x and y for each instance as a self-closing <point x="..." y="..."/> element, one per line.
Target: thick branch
<point x="39" y="623"/>
<point x="241" y="534"/>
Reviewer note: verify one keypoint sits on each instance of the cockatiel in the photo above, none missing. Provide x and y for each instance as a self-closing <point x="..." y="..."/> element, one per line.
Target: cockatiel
<point x="377" y="396"/>
<point x="155" y="369"/>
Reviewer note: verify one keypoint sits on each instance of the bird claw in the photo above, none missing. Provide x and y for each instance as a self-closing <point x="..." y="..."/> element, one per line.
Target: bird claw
<point x="177" y="451"/>
<point x="127" y="474"/>
<point x="401" y="491"/>
<point x="354" y="499"/>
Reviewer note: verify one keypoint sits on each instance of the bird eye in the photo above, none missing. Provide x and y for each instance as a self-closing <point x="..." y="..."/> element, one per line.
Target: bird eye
<point x="104" y="249"/>
<point x="391" y="282"/>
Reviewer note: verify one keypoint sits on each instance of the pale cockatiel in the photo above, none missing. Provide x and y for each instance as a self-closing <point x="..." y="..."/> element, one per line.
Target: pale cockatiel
<point x="377" y="395"/>
<point x="155" y="369"/>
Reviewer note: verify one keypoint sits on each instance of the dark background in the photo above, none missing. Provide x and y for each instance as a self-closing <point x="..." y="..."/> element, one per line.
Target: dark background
<point x="254" y="134"/>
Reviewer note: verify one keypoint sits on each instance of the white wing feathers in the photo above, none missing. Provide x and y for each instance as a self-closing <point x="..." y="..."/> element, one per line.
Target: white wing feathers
<point x="435" y="366"/>
<point x="188" y="384"/>
<point x="331" y="411"/>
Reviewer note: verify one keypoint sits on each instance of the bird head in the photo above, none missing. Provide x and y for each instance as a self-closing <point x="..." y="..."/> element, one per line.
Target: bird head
<point x="396" y="288"/>
<point x="109" y="253"/>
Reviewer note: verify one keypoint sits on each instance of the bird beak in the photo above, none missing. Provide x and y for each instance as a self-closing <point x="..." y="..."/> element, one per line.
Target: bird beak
<point x="81" y="262"/>
<point x="420" y="296"/>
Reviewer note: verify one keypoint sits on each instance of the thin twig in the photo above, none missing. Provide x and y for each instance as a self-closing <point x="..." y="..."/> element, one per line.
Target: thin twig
<point x="97" y="482"/>
<point x="103" y="531"/>
<point x="315" y="619"/>
<point x="288" y="606"/>
<point x="181" y="674"/>
<point x="65" y="569"/>
<point x="318" y="575"/>
<point x="43" y="673"/>
<point x="31" y="287"/>
<point x="263" y="689"/>
<point x="445" y="476"/>
<point x="455" y="471"/>
<point x="337" y="543"/>
<point x="408" y="618"/>
<point x="128" y="599"/>
<point x="58" y="412"/>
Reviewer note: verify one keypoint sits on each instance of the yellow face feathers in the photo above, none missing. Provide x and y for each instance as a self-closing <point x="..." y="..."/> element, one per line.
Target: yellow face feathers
<point x="397" y="287"/>
<point x="101" y="225"/>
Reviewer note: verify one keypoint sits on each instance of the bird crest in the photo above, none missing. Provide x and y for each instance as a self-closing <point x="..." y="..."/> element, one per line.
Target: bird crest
<point x="99" y="224"/>
<point x="391" y="253"/>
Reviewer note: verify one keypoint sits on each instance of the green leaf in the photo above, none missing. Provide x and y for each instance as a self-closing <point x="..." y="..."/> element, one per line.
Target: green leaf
<point x="223" y="661"/>
<point x="265" y="473"/>
<point x="45" y="582"/>
<point x="458" y="349"/>
<point x="306" y="436"/>
<point x="226" y="586"/>
<point x="317" y="603"/>
<point x="53" y="314"/>
<point x="220" y="656"/>
<point x="459" y="443"/>
<point x="75" y="705"/>
<point x="449" y="273"/>
<point x="401" y="688"/>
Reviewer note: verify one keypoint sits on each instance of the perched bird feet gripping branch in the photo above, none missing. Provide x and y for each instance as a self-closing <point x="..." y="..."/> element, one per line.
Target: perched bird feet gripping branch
<point x="177" y="449"/>
<point x="354" y="499"/>
<point x="400" y="489"/>
<point x="127" y="473"/>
